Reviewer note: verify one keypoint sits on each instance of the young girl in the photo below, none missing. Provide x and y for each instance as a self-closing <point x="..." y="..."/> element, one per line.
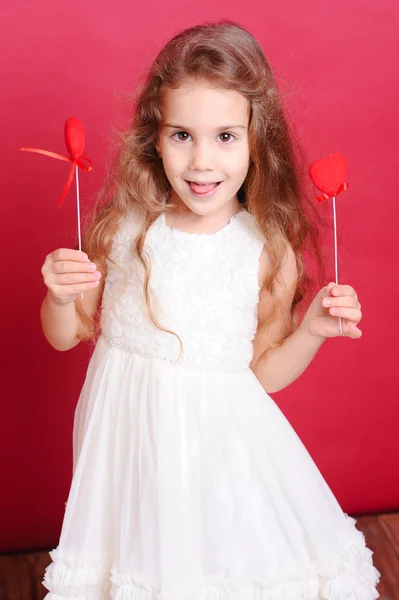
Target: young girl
<point x="189" y="483"/>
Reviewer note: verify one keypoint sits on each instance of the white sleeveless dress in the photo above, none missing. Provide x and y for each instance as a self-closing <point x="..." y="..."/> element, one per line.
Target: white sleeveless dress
<point x="189" y="483"/>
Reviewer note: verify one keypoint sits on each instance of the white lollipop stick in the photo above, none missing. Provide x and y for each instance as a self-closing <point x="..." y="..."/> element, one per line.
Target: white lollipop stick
<point x="78" y="211"/>
<point x="336" y="254"/>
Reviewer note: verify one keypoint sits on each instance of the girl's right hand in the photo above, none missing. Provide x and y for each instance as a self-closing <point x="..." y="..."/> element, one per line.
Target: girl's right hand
<point x="67" y="273"/>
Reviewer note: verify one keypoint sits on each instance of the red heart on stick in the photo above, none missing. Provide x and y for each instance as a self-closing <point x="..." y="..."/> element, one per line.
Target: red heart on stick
<point x="329" y="175"/>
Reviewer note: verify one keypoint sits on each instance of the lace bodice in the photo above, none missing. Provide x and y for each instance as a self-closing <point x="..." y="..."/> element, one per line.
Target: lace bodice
<point x="203" y="287"/>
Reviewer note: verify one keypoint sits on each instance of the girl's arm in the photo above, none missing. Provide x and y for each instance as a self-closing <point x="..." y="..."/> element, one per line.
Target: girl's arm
<point x="66" y="274"/>
<point x="284" y="364"/>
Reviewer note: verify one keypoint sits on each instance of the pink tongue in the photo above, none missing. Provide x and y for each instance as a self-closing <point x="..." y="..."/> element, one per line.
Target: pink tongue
<point x="202" y="189"/>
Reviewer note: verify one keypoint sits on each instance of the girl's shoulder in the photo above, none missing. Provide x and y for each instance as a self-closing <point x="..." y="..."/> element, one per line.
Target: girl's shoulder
<point x="252" y="237"/>
<point x="251" y="228"/>
<point x="260" y="240"/>
<point x="126" y="230"/>
<point x="129" y="224"/>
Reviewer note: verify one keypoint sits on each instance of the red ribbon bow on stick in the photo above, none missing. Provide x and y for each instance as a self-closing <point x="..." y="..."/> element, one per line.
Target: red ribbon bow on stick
<point x="75" y="144"/>
<point x="329" y="176"/>
<point x="324" y="196"/>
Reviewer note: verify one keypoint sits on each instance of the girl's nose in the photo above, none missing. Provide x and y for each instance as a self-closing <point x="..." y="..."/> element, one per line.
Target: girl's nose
<point x="201" y="158"/>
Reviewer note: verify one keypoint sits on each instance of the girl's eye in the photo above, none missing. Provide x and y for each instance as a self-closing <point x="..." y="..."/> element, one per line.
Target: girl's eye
<point x="181" y="135"/>
<point x="225" y="133"/>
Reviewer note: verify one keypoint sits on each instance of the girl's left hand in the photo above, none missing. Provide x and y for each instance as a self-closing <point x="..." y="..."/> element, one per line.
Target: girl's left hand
<point x="332" y="302"/>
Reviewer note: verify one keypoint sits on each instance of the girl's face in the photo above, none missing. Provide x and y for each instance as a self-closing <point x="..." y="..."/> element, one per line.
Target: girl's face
<point x="204" y="140"/>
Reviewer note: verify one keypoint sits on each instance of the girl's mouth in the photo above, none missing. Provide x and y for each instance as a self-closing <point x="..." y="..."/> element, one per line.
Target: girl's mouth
<point x="203" y="189"/>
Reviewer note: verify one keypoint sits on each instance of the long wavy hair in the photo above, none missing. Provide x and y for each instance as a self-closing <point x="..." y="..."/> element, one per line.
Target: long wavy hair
<point x="226" y="55"/>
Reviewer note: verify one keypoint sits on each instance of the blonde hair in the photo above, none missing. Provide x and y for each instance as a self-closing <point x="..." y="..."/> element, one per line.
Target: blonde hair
<point x="225" y="55"/>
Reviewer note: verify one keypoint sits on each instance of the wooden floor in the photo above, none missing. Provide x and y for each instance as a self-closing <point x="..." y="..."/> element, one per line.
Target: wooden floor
<point x="21" y="574"/>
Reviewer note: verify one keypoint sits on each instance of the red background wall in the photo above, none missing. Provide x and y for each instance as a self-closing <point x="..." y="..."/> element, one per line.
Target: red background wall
<point x="339" y="58"/>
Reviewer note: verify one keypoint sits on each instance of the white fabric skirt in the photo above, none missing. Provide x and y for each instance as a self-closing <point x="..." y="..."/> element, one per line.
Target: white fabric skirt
<point x="192" y="485"/>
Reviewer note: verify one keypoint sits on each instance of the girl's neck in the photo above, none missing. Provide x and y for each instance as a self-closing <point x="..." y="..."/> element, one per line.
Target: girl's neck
<point x="184" y="219"/>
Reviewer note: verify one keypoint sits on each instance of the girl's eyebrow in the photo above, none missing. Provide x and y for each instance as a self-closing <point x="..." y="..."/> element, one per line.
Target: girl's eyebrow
<point x="221" y="128"/>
